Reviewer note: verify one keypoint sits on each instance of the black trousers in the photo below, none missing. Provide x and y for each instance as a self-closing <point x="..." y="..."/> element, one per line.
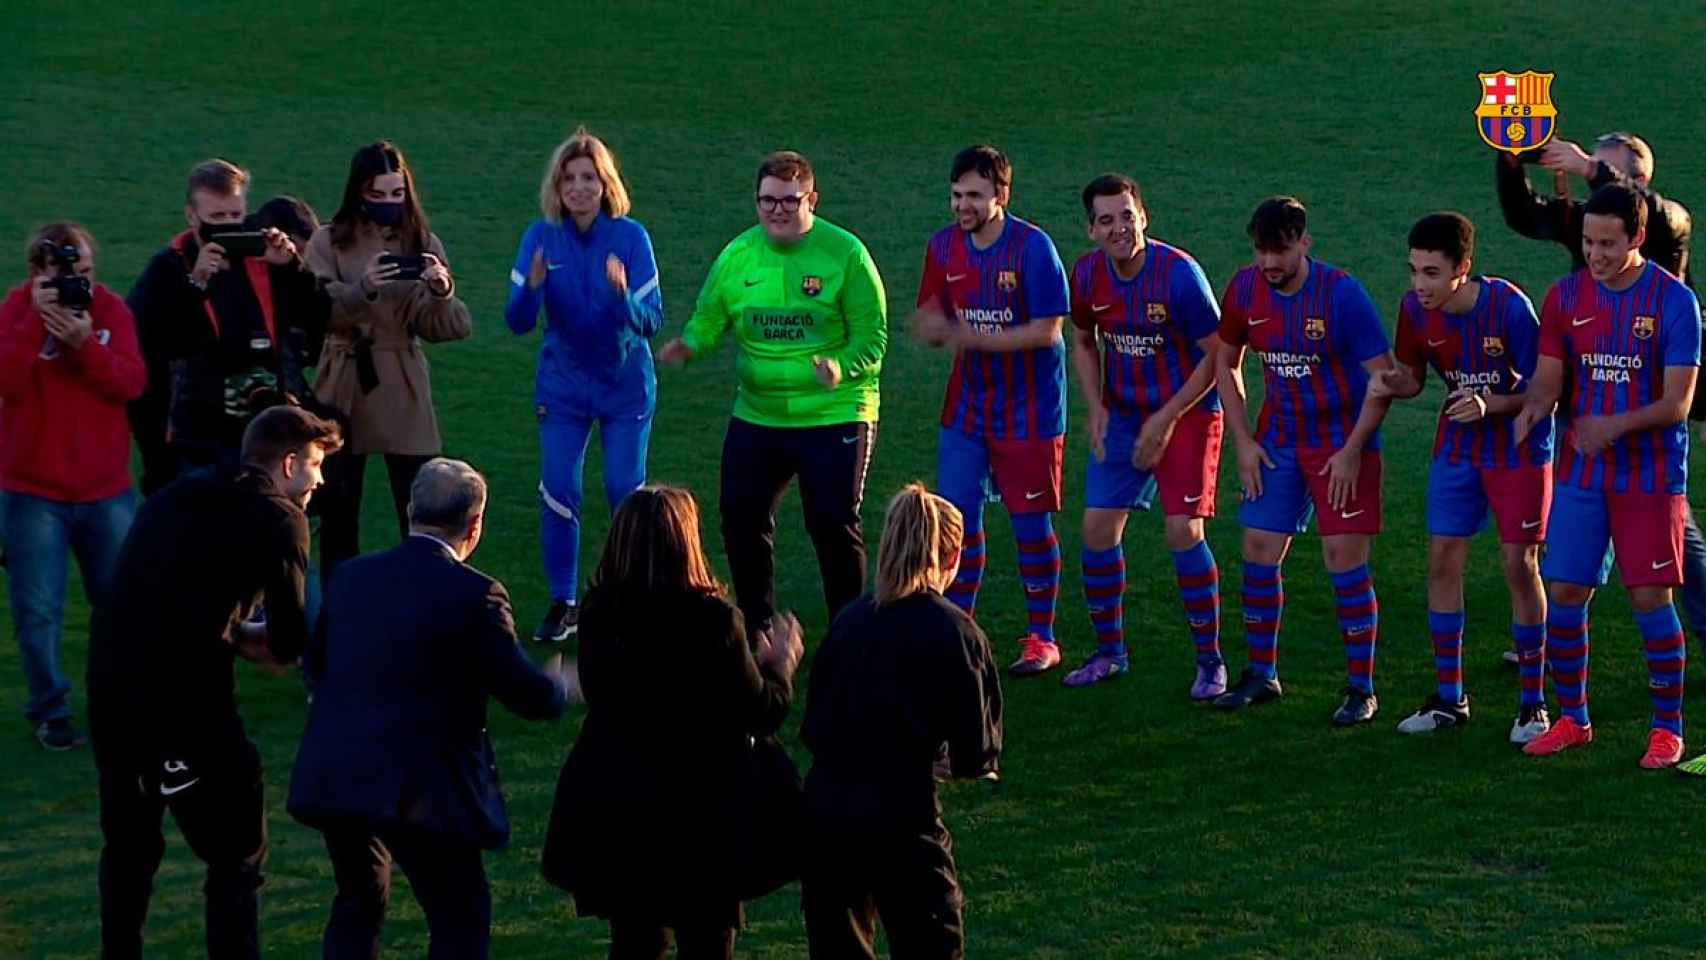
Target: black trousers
<point x="222" y="815"/>
<point x="909" y="882"/>
<point x="632" y="939"/>
<point x="448" y="878"/>
<point x="758" y="464"/>
<point x="340" y="503"/>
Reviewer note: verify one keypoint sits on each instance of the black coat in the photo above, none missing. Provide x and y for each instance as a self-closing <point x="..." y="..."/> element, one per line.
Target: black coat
<point x="889" y="686"/>
<point x="411" y="645"/>
<point x="648" y="800"/>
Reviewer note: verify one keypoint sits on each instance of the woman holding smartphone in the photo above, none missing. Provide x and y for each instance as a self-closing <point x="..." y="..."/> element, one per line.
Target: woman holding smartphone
<point x="590" y="267"/>
<point x="391" y="288"/>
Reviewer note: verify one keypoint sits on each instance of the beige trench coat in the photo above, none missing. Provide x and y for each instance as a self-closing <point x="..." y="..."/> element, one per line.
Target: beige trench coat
<point x="397" y="417"/>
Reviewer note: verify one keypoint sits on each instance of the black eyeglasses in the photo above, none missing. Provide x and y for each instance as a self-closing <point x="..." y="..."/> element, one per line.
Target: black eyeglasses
<point x="791" y="204"/>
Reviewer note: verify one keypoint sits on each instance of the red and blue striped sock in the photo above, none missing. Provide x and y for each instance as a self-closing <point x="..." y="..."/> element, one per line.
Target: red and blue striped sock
<point x="1359" y="624"/>
<point x="1039" y="569"/>
<point x="962" y="592"/>
<point x="1531" y="662"/>
<point x="1104" y="592"/>
<point x="1667" y="654"/>
<point x="1447" y="630"/>
<point x="1264" y="601"/>
<point x="1199" y="587"/>
<point x="1567" y="648"/>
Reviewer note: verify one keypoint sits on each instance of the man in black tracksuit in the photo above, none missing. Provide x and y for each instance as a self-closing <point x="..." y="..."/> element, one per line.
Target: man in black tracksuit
<point x="1625" y="159"/>
<point x="202" y="554"/>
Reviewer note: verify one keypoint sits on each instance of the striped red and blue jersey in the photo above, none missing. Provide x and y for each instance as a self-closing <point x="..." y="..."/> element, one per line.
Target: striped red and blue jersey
<point x="1148" y="326"/>
<point x="1491" y="349"/>
<point x="1312" y="345"/>
<point x="1615" y="346"/>
<point x="1017" y="395"/>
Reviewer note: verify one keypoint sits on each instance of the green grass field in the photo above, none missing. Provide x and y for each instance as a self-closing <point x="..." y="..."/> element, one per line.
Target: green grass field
<point x="1128" y="823"/>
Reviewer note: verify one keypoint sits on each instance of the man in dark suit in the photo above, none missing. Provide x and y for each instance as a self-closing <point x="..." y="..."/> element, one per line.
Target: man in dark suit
<point x="396" y="765"/>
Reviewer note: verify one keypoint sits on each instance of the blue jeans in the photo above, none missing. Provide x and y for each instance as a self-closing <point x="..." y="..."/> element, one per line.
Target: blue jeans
<point x="1693" y="592"/>
<point x="40" y="533"/>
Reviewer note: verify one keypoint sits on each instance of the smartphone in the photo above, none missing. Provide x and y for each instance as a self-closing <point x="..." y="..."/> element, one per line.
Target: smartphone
<point x="241" y="244"/>
<point x="409" y="266"/>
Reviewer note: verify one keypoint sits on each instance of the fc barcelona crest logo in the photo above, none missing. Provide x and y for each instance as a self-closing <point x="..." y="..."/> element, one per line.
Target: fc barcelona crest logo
<point x="1157" y="313"/>
<point x="811" y="286"/>
<point x="1644" y="327"/>
<point x="1315" y="328"/>
<point x="1007" y="279"/>
<point x="1516" y="111"/>
<point x="1493" y="346"/>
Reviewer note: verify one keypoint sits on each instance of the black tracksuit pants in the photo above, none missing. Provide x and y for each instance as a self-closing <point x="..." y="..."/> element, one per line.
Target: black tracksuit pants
<point x="219" y="807"/>
<point x="758" y="464"/>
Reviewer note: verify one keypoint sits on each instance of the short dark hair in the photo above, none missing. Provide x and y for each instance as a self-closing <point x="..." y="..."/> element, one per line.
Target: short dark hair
<point x="1447" y="232"/>
<point x="1110" y="185"/>
<point x="985" y="161"/>
<point x="1624" y="203"/>
<point x="790" y="165"/>
<point x="292" y="216"/>
<point x="286" y="429"/>
<point x="219" y="177"/>
<point x="446" y="496"/>
<point x="56" y="235"/>
<point x="1277" y="223"/>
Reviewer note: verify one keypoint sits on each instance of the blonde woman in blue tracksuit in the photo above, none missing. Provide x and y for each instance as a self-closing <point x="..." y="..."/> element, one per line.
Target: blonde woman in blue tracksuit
<point x="592" y="269"/>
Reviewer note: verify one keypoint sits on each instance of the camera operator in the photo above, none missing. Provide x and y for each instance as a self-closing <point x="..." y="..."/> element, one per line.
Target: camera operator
<point x="216" y="311"/>
<point x="68" y="365"/>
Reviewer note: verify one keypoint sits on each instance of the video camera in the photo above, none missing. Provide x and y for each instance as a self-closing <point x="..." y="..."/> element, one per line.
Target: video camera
<point x="73" y="288"/>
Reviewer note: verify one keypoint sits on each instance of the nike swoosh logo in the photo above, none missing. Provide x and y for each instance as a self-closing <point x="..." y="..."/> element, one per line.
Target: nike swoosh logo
<point x="1033" y="494"/>
<point x="1258" y="321"/>
<point x="1353" y="514"/>
<point x="166" y="791"/>
<point x="1580" y="321"/>
<point x="1436" y="343"/>
<point x="1530" y="524"/>
<point x="853" y="439"/>
<point x="1101" y="307"/>
<point x="1193" y="499"/>
<point x="754" y="283"/>
<point x="956" y="277"/>
<point x="553" y="266"/>
<point x="1660" y="564"/>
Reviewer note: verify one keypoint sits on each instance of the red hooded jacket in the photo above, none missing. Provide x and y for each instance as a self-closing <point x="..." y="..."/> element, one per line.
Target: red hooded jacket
<point x="63" y="432"/>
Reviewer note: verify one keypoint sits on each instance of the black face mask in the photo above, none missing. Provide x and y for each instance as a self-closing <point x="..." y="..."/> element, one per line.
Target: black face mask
<point x="387" y="213"/>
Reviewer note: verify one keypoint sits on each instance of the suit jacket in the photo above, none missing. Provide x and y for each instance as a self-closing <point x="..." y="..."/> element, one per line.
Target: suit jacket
<point x="410" y="646"/>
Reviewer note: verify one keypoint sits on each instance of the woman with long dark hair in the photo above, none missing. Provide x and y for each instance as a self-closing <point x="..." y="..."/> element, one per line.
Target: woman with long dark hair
<point x="651" y="799"/>
<point x="590" y="267"/>
<point x="902" y="674"/>
<point x="391" y="289"/>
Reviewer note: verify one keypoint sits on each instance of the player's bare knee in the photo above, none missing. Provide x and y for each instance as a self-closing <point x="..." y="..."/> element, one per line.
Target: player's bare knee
<point x="1447" y="558"/>
<point x="1522" y="562"/>
<point x="1103" y="528"/>
<point x="1344" y="551"/>
<point x="1648" y="599"/>
<point x="1265" y="546"/>
<point x="1182" y="533"/>
<point x="1572" y="594"/>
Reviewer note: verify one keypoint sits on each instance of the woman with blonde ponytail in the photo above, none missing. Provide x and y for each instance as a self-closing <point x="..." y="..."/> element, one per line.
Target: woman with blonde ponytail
<point x="902" y="674"/>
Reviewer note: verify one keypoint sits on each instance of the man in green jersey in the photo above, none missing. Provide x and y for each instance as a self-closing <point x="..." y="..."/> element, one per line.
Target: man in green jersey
<point x="810" y="318"/>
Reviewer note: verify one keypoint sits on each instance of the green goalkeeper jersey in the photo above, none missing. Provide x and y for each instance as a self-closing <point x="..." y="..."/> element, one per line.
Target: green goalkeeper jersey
<point x="820" y="297"/>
